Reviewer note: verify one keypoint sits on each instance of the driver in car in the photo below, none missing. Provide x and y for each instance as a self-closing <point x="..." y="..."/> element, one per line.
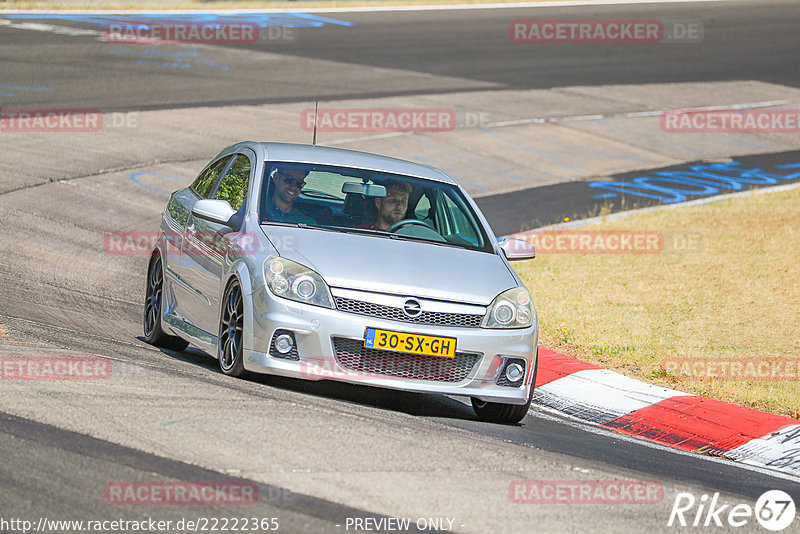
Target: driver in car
<point x="289" y="181"/>
<point x="391" y="208"/>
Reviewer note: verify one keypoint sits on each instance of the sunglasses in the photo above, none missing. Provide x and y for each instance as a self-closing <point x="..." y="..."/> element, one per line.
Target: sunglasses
<point x="290" y="181"/>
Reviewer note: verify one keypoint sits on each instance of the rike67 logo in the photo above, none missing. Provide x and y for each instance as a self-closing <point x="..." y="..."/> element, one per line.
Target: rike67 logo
<point x="774" y="510"/>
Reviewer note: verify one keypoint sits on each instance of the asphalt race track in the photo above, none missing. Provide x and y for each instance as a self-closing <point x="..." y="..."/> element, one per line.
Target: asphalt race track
<point x="510" y="212"/>
<point x="471" y="49"/>
<point x="324" y="454"/>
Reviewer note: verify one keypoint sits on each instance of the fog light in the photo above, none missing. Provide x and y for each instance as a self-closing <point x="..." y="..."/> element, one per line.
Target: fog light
<point x="514" y="372"/>
<point x="284" y="344"/>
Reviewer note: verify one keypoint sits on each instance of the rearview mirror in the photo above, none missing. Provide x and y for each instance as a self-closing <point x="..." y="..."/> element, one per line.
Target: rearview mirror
<point x="218" y="211"/>
<point x="368" y="190"/>
<point x="517" y="249"/>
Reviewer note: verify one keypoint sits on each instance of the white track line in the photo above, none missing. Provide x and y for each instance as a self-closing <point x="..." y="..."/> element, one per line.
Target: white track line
<point x="638" y="114"/>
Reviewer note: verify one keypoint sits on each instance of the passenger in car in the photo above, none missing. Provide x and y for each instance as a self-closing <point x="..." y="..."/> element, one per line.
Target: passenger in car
<point x="391" y="208"/>
<point x="288" y="182"/>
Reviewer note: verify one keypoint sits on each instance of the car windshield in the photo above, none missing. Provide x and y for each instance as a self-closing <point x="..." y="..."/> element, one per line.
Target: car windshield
<point x="344" y="199"/>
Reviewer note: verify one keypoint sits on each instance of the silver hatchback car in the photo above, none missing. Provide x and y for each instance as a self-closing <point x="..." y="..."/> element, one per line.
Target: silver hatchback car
<point x="329" y="264"/>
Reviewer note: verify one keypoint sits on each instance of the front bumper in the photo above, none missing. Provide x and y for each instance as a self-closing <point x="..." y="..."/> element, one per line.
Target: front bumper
<point x="315" y="329"/>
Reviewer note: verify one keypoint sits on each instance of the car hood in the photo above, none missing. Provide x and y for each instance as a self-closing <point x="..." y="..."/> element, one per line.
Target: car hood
<point x="396" y="266"/>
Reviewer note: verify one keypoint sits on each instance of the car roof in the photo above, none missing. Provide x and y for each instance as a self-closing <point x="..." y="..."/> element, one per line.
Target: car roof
<point x="325" y="155"/>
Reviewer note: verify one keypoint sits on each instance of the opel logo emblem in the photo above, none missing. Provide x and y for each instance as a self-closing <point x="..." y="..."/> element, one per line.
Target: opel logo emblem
<point x="412" y="308"/>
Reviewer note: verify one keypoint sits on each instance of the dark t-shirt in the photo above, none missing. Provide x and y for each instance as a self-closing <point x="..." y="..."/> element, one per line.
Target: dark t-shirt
<point x="295" y="216"/>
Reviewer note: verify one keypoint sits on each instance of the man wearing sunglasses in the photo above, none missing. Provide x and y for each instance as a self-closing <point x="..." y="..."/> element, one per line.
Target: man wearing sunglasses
<point x="288" y="182"/>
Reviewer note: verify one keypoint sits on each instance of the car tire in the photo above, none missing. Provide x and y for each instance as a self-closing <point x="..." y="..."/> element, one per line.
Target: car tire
<point x="231" y="327"/>
<point x="153" y="301"/>
<point x="506" y="414"/>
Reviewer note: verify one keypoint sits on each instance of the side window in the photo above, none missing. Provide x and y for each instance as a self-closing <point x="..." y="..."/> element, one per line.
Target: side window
<point x="458" y="222"/>
<point x="233" y="187"/>
<point x="204" y="184"/>
<point x="423" y="208"/>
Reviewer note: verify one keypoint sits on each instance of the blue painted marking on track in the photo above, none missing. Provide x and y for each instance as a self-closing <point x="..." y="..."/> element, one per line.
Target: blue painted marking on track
<point x="23" y="88"/>
<point x="790" y="166"/>
<point x="605" y="195"/>
<point x="317" y="19"/>
<point x="181" y="59"/>
<point x="135" y="175"/>
<point x="671" y="187"/>
<point x="146" y="20"/>
<point x="262" y="20"/>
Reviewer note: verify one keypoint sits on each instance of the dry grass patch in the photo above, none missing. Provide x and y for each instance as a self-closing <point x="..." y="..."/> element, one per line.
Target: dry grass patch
<point x="738" y="297"/>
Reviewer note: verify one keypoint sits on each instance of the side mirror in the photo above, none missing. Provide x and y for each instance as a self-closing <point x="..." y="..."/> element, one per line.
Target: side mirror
<point x="517" y="249"/>
<point x="218" y="211"/>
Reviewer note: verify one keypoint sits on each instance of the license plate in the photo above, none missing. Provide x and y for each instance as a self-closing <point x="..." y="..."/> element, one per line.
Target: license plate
<point x="410" y="343"/>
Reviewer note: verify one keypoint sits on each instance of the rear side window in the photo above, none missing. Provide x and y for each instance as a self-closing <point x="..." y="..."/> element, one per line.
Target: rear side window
<point x="233" y="187"/>
<point x="325" y="185"/>
<point x="205" y="182"/>
<point x="423" y="209"/>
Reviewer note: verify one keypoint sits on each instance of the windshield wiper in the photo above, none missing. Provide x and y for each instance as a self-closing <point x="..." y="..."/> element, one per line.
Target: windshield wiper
<point x="281" y="223"/>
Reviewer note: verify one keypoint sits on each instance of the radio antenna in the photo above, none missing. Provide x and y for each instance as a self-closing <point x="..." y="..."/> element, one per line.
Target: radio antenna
<point x="316" y="107"/>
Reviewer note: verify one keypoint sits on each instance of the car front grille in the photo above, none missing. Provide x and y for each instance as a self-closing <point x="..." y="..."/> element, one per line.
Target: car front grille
<point x="353" y="355"/>
<point x="459" y="320"/>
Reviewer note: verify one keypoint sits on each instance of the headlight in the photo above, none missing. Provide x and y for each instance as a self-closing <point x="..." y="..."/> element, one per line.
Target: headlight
<point x="290" y="280"/>
<point x="510" y="309"/>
